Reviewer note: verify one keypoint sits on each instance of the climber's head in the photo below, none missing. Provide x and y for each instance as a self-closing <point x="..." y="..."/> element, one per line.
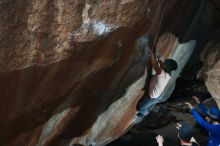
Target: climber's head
<point x="169" y="65"/>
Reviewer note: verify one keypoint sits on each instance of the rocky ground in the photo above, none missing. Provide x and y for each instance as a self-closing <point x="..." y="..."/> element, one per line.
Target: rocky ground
<point x="163" y="118"/>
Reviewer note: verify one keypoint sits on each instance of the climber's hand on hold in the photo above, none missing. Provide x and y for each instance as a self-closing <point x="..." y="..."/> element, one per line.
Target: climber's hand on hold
<point x="158" y="57"/>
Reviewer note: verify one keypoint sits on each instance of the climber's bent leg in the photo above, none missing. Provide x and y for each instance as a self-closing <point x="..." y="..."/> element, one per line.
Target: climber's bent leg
<point x="146" y="105"/>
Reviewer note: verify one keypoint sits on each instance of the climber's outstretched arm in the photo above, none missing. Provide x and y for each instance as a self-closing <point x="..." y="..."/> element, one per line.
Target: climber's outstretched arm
<point x="154" y="62"/>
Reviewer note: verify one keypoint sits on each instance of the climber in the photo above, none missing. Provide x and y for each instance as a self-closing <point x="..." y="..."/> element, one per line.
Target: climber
<point x="185" y="135"/>
<point x="212" y="122"/>
<point x="157" y="84"/>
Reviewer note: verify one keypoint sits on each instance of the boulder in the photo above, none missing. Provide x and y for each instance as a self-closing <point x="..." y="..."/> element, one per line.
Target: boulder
<point x="72" y="72"/>
<point x="211" y="73"/>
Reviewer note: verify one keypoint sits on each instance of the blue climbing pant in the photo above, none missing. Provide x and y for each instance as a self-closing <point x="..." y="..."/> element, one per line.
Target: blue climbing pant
<point x="146" y="104"/>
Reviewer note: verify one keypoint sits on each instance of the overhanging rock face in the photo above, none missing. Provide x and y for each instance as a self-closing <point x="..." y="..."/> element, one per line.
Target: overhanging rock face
<point x="73" y="71"/>
<point x="211" y="69"/>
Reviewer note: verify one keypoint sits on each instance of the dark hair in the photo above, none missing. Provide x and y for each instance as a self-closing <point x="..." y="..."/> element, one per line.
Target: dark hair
<point x="186" y="132"/>
<point x="170" y="65"/>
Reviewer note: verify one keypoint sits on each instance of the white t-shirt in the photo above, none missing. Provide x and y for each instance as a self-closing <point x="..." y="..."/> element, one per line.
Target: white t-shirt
<point x="158" y="84"/>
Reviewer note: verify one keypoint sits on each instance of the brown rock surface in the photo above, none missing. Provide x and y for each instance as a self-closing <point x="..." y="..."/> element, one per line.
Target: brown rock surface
<point x="211" y="69"/>
<point x="72" y="71"/>
<point x="211" y="53"/>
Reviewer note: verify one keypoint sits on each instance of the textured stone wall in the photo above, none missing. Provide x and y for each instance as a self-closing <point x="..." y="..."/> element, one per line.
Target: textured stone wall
<point x="210" y="56"/>
<point x="72" y="70"/>
<point x="211" y="69"/>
